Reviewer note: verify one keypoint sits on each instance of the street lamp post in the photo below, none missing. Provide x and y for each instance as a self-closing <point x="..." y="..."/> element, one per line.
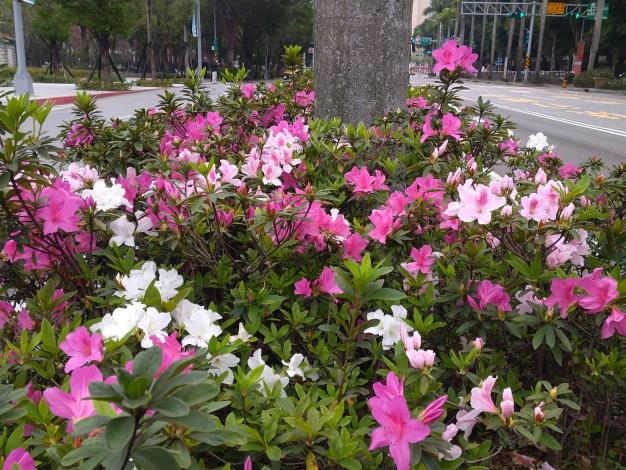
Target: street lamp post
<point x="530" y="44"/>
<point x="199" y="33"/>
<point x="22" y="81"/>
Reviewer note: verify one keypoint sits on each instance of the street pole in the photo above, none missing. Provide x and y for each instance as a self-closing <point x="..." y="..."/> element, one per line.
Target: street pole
<point x="471" y="41"/>
<point x="199" y="32"/>
<point x="530" y="43"/>
<point x="597" y="29"/>
<point x="482" y="37"/>
<point x="215" y="24"/>
<point x="462" y="31"/>
<point x="494" y="33"/>
<point x="542" y="28"/>
<point x="22" y="81"/>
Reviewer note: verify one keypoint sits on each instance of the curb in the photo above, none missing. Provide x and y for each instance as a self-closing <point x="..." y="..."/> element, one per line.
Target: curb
<point x="68" y="99"/>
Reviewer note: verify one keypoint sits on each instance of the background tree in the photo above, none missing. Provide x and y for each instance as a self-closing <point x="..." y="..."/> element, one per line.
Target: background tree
<point x="51" y="22"/>
<point x="105" y="20"/>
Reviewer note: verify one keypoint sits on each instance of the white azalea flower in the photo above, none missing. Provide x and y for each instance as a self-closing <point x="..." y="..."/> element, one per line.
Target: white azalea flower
<point x="537" y="141"/>
<point x="223" y="363"/>
<point x="293" y="366"/>
<point x="121" y="322"/>
<point x="138" y="280"/>
<point x="153" y="324"/>
<point x="168" y="283"/>
<point x="268" y="377"/>
<point x="242" y="335"/>
<point x="106" y="197"/>
<point x="201" y="328"/>
<point x="144" y="224"/>
<point x="183" y="311"/>
<point x="388" y="325"/>
<point x="123" y="231"/>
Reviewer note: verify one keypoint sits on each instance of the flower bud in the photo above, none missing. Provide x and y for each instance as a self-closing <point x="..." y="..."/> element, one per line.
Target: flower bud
<point x="471" y="166"/>
<point x="421" y="359"/>
<point x="454" y="179"/>
<point x="541" y="177"/>
<point x="450" y="432"/>
<point x="553" y="393"/>
<point x="600" y="179"/>
<point x="584" y="201"/>
<point x="507" y="211"/>
<point x="478" y="343"/>
<point x="566" y="213"/>
<point x="539" y="413"/>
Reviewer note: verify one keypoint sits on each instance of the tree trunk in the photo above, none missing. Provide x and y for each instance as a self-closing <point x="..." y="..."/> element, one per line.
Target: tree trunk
<point x="186" y="42"/>
<point x="494" y="38"/>
<point x="519" y="57"/>
<point x="597" y="29"/>
<point x="153" y="71"/>
<point x="509" y="43"/>
<point x="362" y="57"/>
<point x="105" y="71"/>
<point x="542" y="28"/>
<point x="481" y="57"/>
<point x="55" y="57"/>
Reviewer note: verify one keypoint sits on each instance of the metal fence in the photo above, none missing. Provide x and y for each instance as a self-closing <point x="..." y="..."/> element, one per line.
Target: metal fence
<point x="553" y="76"/>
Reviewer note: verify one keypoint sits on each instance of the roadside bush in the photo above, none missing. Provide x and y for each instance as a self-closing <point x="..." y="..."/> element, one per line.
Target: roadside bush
<point x="584" y="80"/>
<point x="235" y="284"/>
<point x="160" y="82"/>
<point x="616" y="84"/>
<point x="102" y="85"/>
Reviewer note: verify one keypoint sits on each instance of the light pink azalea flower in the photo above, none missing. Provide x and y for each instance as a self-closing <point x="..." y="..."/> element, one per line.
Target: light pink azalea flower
<point x="507" y="405"/>
<point x="475" y="203"/>
<point x="481" y="396"/>
<point x="82" y="348"/>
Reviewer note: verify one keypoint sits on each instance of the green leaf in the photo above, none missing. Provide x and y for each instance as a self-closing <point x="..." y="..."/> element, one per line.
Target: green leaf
<point x="538" y="338"/>
<point x="147" y="363"/>
<point x="273" y="453"/>
<point x="549" y="333"/>
<point x="154" y="458"/>
<point x="171" y="407"/>
<point x="119" y="432"/>
<point x="549" y="441"/>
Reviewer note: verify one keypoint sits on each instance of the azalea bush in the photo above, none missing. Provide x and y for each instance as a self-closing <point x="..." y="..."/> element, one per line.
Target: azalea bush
<point x="235" y="284"/>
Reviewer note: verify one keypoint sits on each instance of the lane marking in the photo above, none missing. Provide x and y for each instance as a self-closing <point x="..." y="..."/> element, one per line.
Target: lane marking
<point x="566" y="121"/>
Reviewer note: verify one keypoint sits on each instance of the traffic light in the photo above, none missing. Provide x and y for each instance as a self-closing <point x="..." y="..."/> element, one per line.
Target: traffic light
<point x="522" y="14"/>
<point x="578" y="15"/>
<point x="526" y="35"/>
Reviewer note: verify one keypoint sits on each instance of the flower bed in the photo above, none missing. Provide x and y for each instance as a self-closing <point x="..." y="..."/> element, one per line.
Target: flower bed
<point x="234" y="284"/>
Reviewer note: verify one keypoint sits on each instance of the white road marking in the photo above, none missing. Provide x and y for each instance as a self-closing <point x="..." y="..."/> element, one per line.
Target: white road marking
<point x="565" y="121"/>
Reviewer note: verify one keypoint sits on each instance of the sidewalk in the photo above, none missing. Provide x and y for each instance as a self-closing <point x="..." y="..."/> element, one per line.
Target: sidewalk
<point x="64" y="93"/>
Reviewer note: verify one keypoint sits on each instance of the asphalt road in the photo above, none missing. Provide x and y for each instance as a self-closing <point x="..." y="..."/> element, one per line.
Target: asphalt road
<point x="122" y="106"/>
<point x="579" y="124"/>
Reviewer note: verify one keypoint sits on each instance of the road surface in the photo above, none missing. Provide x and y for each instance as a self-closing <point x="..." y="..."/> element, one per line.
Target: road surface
<point x="122" y="106"/>
<point x="579" y="124"/>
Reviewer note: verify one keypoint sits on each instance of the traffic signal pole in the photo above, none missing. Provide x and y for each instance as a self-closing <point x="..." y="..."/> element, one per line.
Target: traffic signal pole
<point x="199" y="31"/>
<point x="530" y="44"/>
<point x="22" y="81"/>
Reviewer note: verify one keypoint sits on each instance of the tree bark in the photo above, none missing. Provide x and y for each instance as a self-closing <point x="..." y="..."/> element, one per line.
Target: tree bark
<point x="55" y="56"/>
<point x="509" y="43"/>
<point x="494" y="38"/>
<point x="104" y="71"/>
<point x="542" y="28"/>
<point x="153" y="71"/>
<point x="597" y="29"/>
<point x="362" y="57"/>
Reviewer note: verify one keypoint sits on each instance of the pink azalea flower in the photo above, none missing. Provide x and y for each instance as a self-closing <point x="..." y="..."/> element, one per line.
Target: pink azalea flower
<point x="19" y="458"/>
<point x="475" y="203"/>
<point x="6" y="310"/>
<point x="427" y="188"/>
<point x="509" y="146"/>
<point x="562" y="294"/>
<point x="82" y="348"/>
<point x="397" y="429"/>
<point x="303" y="287"/>
<point x="60" y="210"/>
<point x="304" y="98"/>
<point x="171" y="351"/>
<point x="466" y="420"/>
<point x="481" y="396"/>
<point x="569" y="171"/>
<point x="248" y="90"/>
<point x="507" y="405"/>
<point x="450" y="126"/>
<point x="24" y="321"/>
<point x="72" y="406"/>
<point x="397" y="202"/>
<point x="363" y="182"/>
<point x="449" y="56"/>
<point x="422" y="260"/>
<point x="392" y="387"/>
<point x="600" y="291"/>
<point x="434" y="410"/>
<point x="326" y="282"/>
<point x="418" y="102"/>
<point x="616" y="321"/>
<point x="421" y="358"/>
<point x="491" y="294"/>
<point x="353" y="247"/>
<point x="383" y="224"/>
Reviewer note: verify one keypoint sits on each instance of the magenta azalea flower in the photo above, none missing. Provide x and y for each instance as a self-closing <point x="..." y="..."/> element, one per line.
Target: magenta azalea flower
<point x="397" y="428"/>
<point x="450" y="56"/>
<point x="562" y="294"/>
<point x="353" y="247"/>
<point x="82" y="348"/>
<point x="616" y="321"/>
<point x="383" y="224"/>
<point x="20" y="458"/>
<point x="363" y="182"/>
<point x="60" y="210"/>
<point x="600" y="291"/>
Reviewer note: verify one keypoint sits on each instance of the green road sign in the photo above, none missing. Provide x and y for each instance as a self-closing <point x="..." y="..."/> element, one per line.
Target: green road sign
<point x="426" y="41"/>
<point x="591" y="11"/>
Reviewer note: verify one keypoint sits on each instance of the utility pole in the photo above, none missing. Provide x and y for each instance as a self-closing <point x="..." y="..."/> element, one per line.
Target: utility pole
<point x="22" y="81"/>
<point x="462" y="31"/>
<point x="199" y="33"/>
<point x="530" y="44"/>
<point x="215" y="24"/>
<point x="471" y="41"/>
<point x="519" y="56"/>
<point x="542" y="28"/>
<point x="509" y="43"/>
<point x="597" y="29"/>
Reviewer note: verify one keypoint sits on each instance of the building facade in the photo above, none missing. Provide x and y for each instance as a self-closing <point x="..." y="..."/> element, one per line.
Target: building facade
<point x="418" y="17"/>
